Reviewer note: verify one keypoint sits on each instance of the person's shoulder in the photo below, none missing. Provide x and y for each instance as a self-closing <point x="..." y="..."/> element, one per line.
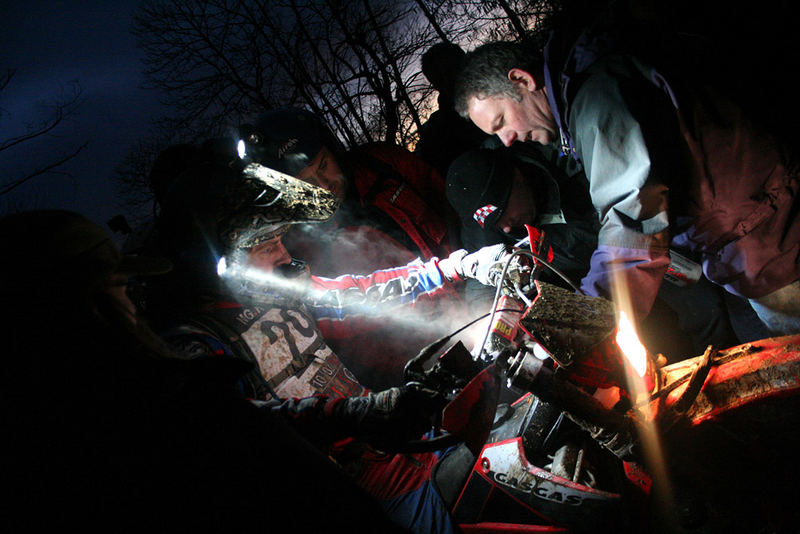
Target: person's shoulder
<point x="386" y="158"/>
<point x="611" y="82"/>
<point x="192" y="341"/>
<point x="207" y="330"/>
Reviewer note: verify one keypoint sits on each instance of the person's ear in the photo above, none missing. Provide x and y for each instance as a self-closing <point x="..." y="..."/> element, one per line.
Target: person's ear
<point x="523" y="78"/>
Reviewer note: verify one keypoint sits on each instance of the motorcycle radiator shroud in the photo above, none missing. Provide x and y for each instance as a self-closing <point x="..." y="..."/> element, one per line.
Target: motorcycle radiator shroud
<point x="539" y="470"/>
<point x="505" y="488"/>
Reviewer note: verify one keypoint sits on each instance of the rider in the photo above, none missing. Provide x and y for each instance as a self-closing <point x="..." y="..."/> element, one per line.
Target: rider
<point x="392" y="209"/>
<point x="97" y="410"/>
<point x="216" y="218"/>
<point x="235" y="291"/>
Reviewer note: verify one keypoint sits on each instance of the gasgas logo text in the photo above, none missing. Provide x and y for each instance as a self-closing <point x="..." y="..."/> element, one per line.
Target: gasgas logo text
<point x="393" y="289"/>
<point x="528" y="484"/>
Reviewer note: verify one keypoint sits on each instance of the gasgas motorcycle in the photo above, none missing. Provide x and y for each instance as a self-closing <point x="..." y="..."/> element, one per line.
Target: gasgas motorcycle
<point x="597" y="434"/>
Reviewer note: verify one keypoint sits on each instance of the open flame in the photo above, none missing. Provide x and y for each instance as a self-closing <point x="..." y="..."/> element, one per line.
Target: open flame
<point x="631" y="347"/>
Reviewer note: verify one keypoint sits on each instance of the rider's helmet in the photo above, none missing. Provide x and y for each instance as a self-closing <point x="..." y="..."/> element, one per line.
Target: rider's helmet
<point x="214" y="208"/>
<point x="285" y="140"/>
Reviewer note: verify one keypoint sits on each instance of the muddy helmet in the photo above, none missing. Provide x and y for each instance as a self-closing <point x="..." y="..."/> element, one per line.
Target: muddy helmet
<point x="285" y="140"/>
<point x="218" y="206"/>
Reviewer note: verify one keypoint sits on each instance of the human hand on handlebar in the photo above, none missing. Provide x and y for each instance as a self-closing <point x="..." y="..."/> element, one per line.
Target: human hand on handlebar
<point x="484" y="265"/>
<point x="390" y="418"/>
<point x="478" y="265"/>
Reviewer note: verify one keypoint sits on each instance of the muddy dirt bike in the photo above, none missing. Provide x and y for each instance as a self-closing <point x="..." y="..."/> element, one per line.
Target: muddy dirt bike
<point x="594" y="439"/>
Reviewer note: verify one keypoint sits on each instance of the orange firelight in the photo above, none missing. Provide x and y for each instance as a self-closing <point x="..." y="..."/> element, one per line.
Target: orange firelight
<point x="642" y="380"/>
<point x="631" y="347"/>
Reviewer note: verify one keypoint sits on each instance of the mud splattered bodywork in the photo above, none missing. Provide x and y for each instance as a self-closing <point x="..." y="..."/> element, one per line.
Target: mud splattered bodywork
<point x="740" y="375"/>
<point x="567" y="324"/>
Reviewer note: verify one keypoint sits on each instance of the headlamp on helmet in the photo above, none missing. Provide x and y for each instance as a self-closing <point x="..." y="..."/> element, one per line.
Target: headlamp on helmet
<point x="219" y="206"/>
<point x="269" y="202"/>
<point x="285" y="140"/>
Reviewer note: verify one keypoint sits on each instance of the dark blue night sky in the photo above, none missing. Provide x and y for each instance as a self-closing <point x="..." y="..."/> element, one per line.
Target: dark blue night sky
<point x="51" y="44"/>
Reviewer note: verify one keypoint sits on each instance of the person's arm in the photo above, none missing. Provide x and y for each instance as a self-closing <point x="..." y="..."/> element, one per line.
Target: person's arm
<point x="351" y="295"/>
<point x="477" y="296"/>
<point x="380" y="292"/>
<point x="625" y="185"/>
<point x="385" y="419"/>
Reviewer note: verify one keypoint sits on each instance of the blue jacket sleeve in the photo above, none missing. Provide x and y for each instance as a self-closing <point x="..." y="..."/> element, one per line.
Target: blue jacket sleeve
<point x="625" y="186"/>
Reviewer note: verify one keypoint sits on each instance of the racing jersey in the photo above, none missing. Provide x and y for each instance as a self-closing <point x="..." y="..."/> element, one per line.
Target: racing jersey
<point x="282" y="336"/>
<point x="290" y="356"/>
<point x="337" y="303"/>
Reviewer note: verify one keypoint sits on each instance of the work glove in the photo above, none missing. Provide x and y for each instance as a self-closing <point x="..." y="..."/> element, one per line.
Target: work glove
<point x="388" y="419"/>
<point x="484" y="265"/>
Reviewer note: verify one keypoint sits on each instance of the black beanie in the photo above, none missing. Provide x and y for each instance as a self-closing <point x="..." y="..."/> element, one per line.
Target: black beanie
<point x="478" y="186"/>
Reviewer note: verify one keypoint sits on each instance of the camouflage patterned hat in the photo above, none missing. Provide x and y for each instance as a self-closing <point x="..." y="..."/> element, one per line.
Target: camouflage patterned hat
<point x="231" y="205"/>
<point x="267" y="203"/>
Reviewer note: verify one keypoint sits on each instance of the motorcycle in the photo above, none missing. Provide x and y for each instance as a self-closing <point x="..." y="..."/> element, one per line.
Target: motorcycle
<point x="599" y="435"/>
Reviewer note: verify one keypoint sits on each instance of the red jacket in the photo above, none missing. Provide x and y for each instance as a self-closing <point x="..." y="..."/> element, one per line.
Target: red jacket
<point x="396" y="211"/>
<point x="408" y="190"/>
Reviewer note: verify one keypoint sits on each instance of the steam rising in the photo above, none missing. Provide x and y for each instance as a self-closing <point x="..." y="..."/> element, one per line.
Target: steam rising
<point x="356" y="248"/>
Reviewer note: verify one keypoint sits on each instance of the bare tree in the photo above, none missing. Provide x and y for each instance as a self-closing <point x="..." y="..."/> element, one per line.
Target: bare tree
<point x="353" y="62"/>
<point x="208" y="60"/>
<point x="472" y="22"/>
<point x="54" y="116"/>
<point x="132" y="178"/>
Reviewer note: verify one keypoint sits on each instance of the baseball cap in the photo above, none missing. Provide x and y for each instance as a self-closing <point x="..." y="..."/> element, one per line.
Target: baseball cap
<point x="478" y="186"/>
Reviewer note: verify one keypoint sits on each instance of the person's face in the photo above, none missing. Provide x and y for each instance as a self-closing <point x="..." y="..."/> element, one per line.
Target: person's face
<point x="268" y="255"/>
<point x="530" y="119"/>
<point x="521" y="207"/>
<point x="324" y="171"/>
